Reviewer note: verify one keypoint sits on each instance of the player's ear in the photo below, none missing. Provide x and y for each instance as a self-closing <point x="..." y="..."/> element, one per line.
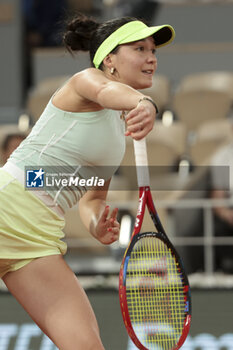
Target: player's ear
<point x="109" y="61"/>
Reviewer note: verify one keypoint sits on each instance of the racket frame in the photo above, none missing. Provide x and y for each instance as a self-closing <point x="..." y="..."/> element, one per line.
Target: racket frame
<point x="146" y="200"/>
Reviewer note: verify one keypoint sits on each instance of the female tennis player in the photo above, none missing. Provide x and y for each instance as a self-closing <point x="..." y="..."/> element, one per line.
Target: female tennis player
<point x="81" y="125"/>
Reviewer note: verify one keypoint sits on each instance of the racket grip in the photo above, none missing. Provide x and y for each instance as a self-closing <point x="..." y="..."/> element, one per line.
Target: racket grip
<point x="141" y="160"/>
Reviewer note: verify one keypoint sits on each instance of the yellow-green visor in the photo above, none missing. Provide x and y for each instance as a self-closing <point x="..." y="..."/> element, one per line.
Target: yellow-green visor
<point x="133" y="31"/>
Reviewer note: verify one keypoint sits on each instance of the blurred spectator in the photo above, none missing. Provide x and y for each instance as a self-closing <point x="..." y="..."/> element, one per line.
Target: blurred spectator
<point x="144" y="9"/>
<point x="89" y="7"/>
<point x="10" y="143"/>
<point x="43" y="21"/>
<point x="222" y="188"/>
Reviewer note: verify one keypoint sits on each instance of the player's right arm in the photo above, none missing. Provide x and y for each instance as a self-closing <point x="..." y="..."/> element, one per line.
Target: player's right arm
<point x="93" y="85"/>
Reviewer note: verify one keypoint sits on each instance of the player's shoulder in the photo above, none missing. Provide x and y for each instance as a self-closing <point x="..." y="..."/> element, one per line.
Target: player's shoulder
<point x="88" y="73"/>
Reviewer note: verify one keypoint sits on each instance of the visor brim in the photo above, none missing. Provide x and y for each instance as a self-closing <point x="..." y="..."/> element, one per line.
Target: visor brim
<point x="162" y="35"/>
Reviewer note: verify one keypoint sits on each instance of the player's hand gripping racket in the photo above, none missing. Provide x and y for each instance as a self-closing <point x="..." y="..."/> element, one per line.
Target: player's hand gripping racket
<point x="153" y="287"/>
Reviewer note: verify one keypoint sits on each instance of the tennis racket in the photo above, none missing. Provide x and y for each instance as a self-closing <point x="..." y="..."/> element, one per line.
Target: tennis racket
<point x="153" y="287"/>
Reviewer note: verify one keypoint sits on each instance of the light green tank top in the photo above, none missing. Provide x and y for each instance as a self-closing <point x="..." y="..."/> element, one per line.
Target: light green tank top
<point x="89" y="144"/>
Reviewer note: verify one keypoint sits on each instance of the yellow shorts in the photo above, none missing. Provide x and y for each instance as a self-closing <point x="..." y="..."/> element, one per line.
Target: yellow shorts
<point x="28" y="228"/>
<point x="9" y="265"/>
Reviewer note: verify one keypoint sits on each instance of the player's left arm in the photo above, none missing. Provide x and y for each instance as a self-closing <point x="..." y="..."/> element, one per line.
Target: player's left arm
<point x="97" y="217"/>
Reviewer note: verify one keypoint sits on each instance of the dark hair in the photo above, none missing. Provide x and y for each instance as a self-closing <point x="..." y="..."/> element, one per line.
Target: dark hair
<point x="86" y="34"/>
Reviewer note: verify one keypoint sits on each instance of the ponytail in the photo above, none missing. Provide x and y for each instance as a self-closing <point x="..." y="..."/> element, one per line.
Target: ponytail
<point x="79" y="32"/>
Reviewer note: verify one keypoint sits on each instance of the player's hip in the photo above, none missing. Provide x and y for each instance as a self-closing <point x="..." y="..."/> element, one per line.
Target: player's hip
<point x="28" y="227"/>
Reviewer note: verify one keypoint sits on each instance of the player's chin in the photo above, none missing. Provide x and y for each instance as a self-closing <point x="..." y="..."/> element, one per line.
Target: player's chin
<point x="145" y="83"/>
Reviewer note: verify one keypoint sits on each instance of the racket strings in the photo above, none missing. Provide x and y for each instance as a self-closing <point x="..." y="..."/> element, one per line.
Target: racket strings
<point x="155" y="294"/>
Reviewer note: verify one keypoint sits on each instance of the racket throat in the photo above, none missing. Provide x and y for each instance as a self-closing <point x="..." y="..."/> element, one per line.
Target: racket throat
<point x="153" y="213"/>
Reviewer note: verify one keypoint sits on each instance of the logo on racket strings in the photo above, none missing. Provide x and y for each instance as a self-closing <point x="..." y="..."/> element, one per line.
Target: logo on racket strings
<point x="139" y="213"/>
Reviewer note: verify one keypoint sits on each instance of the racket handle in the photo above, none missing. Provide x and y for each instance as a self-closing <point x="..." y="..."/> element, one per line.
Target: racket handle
<point x="141" y="161"/>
